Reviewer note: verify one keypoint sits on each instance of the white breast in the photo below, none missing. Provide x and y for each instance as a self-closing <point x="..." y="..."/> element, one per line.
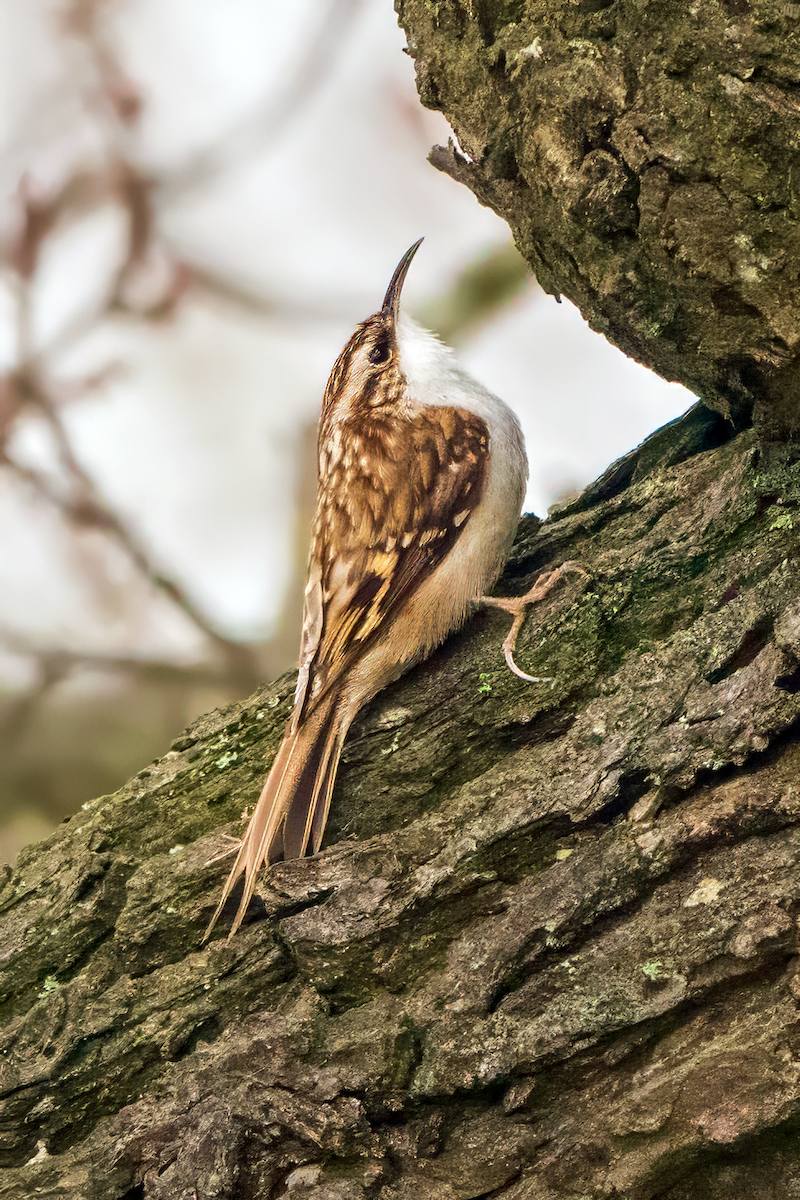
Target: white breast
<point x="434" y="377"/>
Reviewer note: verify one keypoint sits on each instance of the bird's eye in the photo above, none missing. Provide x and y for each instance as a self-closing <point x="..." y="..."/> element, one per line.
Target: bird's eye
<point x="380" y="352"/>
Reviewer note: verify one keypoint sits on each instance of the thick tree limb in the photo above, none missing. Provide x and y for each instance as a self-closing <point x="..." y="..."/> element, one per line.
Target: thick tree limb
<point x="646" y="159"/>
<point x="552" y="951"/>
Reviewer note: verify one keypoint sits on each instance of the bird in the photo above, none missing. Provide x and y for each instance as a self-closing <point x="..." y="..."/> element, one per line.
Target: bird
<point x="421" y="476"/>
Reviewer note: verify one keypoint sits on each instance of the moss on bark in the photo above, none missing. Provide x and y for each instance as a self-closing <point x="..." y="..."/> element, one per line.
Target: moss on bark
<point x="646" y="157"/>
<point x="550" y="948"/>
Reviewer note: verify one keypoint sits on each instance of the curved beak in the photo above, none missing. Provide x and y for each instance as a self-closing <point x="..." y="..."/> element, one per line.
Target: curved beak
<point x="391" y="300"/>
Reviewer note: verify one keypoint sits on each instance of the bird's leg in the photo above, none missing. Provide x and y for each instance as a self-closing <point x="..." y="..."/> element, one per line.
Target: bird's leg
<point x="518" y="607"/>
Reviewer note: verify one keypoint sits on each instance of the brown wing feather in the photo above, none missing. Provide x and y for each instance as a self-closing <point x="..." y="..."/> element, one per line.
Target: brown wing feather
<point x="398" y="493"/>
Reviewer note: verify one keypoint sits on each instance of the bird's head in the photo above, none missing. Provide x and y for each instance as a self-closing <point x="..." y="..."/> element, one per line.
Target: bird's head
<point x="367" y="374"/>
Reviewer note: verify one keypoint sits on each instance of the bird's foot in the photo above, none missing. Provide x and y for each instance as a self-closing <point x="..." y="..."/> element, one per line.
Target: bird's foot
<point x="518" y="607"/>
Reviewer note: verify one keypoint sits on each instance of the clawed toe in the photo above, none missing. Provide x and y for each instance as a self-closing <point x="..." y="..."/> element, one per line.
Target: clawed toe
<point x="518" y="607"/>
<point x="545" y="584"/>
<point x="508" y="655"/>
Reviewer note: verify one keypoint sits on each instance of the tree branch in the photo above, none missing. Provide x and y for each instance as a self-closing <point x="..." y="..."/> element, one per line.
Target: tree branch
<point x="551" y="939"/>
<point x="645" y="163"/>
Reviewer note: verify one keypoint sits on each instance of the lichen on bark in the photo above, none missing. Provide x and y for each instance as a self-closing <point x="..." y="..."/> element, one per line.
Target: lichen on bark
<point x="550" y="947"/>
<point x="646" y="157"/>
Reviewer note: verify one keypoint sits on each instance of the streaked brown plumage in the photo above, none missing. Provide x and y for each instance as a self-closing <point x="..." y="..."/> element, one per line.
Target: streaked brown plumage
<point x="421" y="478"/>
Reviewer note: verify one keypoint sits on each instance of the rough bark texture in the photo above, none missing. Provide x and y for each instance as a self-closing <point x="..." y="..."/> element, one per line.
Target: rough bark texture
<point x="553" y="950"/>
<point x="646" y="155"/>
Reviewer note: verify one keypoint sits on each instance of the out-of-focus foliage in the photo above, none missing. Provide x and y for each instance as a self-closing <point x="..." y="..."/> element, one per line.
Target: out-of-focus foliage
<point x="482" y="289"/>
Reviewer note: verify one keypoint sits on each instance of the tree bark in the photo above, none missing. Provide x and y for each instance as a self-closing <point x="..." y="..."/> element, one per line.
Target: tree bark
<point x="549" y="950"/>
<point x="552" y="950"/>
<point x="647" y="157"/>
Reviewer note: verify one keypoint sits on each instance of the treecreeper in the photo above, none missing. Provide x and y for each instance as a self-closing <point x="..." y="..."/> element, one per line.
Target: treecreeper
<point x="421" y="478"/>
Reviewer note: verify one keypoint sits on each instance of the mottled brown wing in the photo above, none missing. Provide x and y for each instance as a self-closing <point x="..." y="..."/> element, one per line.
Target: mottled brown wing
<point x="397" y="493"/>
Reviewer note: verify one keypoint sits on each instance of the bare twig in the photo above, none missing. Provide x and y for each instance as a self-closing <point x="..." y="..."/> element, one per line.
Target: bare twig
<point x="118" y="93"/>
<point x="70" y="659"/>
<point x="54" y="664"/>
<point x="19" y="713"/>
<point x="81" y="502"/>
<point x="85" y="507"/>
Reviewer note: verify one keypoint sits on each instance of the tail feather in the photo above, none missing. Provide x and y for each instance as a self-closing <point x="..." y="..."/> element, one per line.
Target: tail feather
<point x="318" y="817"/>
<point x="288" y="808"/>
<point x="308" y="812"/>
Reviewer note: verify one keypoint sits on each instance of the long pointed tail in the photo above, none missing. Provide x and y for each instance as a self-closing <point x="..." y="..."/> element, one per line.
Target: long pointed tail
<point x="293" y="806"/>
